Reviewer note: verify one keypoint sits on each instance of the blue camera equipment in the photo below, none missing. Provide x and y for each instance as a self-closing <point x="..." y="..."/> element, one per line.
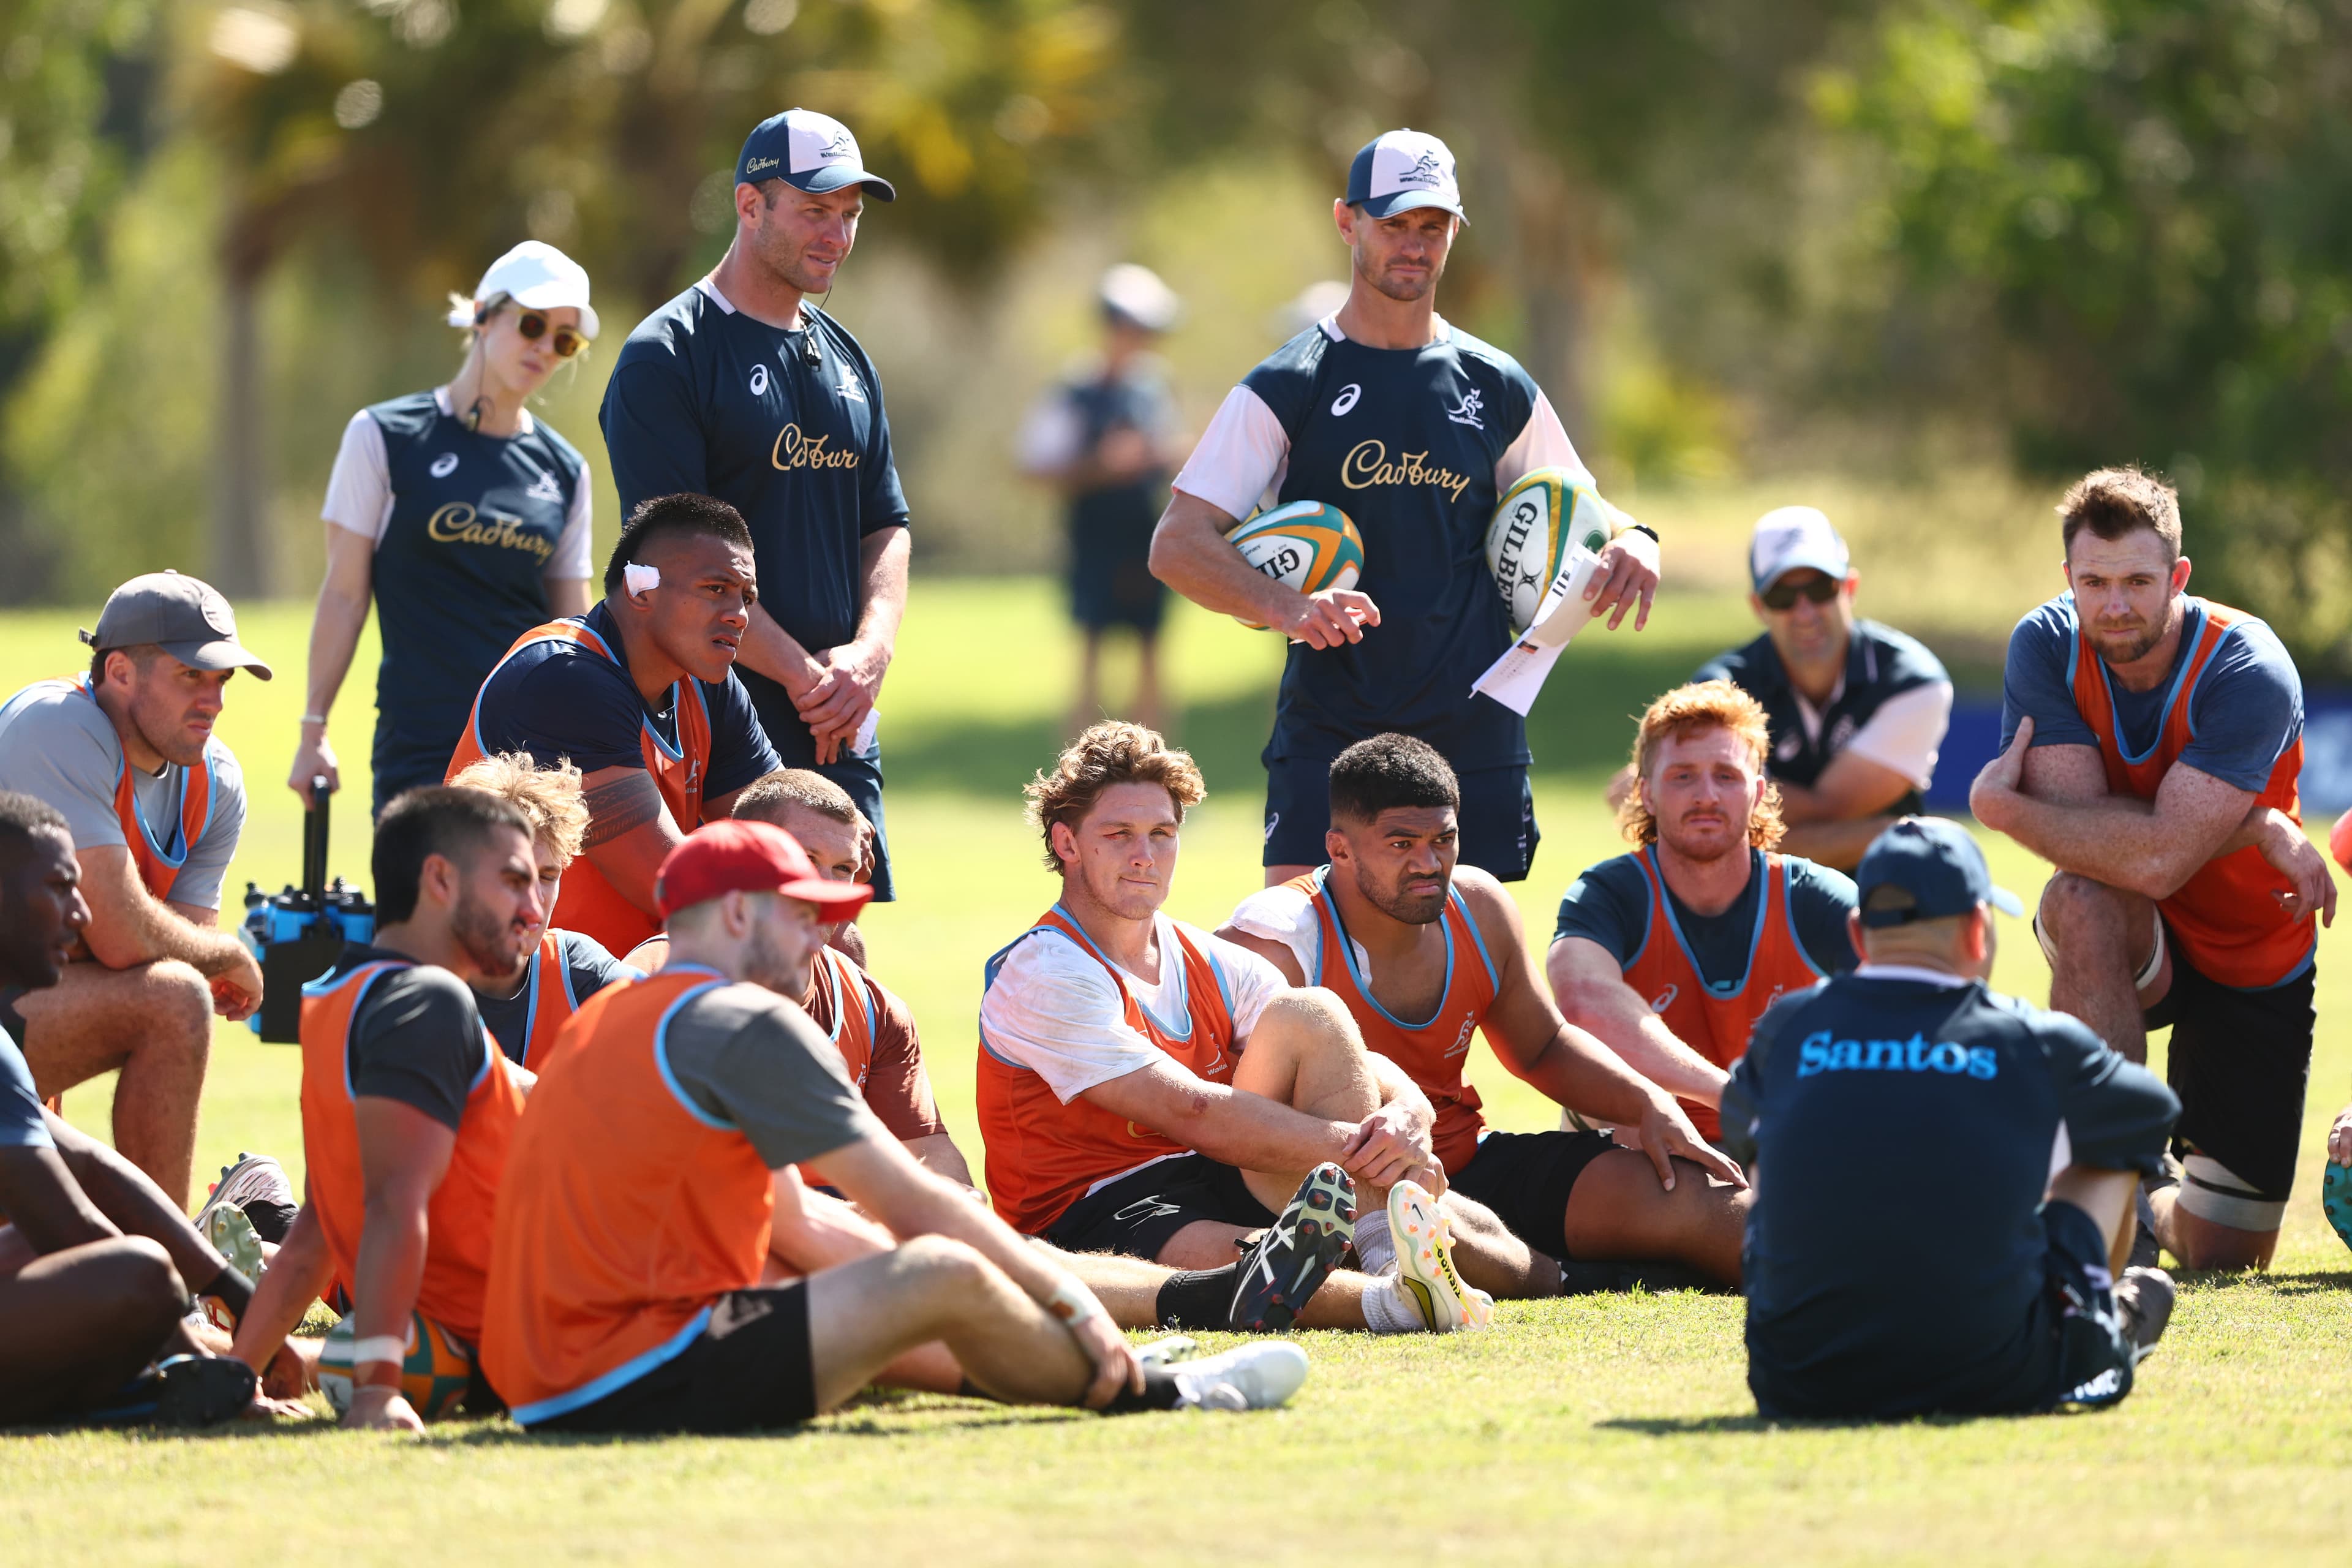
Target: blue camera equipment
<point x="298" y="934"/>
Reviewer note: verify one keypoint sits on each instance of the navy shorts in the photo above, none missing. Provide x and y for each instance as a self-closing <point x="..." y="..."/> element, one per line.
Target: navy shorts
<point x="1526" y="1177"/>
<point x="751" y="1369"/>
<point x="1498" y="816"/>
<point x="2240" y="1061"/>
<point x="1140" y="1213"/>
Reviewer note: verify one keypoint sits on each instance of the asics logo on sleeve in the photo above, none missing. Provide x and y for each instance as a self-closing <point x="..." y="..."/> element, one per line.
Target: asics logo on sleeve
<point x="758" y="381"/>
<point x="1346" y="398"/>
<point x="444" y="466"/>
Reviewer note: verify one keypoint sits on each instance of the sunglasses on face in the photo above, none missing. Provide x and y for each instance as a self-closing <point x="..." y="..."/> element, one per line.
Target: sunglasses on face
<point x="1784" y="596"/>
<point x="533" y="325"/>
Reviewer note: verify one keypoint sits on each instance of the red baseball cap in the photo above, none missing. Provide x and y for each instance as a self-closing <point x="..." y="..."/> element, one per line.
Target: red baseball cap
<point x="730" y="857"/>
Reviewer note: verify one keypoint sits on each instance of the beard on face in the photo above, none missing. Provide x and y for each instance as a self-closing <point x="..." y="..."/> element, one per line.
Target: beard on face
<point x="1732" y="842"/>
<point x="2133" y="647"/>
<point x="158" y="722"/>
<point x="1411" y="909"/>
<point x="766" y="964"/>
<point x="780" y="255"/>
<point x="491" y="945"/>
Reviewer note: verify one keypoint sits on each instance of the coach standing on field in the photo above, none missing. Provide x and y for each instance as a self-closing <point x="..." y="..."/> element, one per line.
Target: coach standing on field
<point x="1414" y="429"/>
<point x="741" y="389"/>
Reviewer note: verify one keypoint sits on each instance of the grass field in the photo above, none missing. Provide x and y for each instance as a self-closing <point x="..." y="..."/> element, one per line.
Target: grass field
<point x="1604" y="1428"/>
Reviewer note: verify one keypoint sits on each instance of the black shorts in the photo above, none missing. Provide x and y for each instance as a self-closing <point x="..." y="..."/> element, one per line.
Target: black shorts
<point x="2240" y="1061"/>
<point x="1140" y="1213"/>
<point x="2075" y="1352"/>
<point x="750" y="1369"/>
<point x="1111" y="582"/>
<point x="1498" y="816"/>
<point x="1526" y="1177"/>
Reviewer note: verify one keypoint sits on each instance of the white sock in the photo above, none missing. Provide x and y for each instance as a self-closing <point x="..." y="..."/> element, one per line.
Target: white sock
<point x="1375" y="1247"/>
<point x="1388" y="1310"/>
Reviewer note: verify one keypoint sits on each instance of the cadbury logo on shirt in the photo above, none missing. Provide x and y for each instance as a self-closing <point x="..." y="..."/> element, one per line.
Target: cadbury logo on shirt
<point x="458" y="524"/>
<point x="1818" y="1053"/>
<point x="1367" y="465"/>
<point x="794" y="450"/>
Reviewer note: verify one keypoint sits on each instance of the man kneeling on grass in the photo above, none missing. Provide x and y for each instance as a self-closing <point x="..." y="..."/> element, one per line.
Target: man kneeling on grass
<point x="1997" y="1294"/>
<point x="633" y="1231"/>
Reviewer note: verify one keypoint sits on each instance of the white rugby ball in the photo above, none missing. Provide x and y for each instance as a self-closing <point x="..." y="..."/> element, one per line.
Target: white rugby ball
<point x="1528" y="538"/>
<point x="1309" y="546"/>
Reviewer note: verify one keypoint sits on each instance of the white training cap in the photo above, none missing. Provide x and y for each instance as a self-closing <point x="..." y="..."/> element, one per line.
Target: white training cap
<point x="1137" y="294"/>
<point x="1399" y="170"/>
<point x="1789" y="537"/>
<point x="536" y="276"/>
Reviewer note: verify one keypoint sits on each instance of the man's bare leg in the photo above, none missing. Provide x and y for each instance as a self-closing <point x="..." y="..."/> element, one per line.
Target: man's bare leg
<point x="1491" y="1259"/>
<point x="1307" y="1053"/>
<point x="82" y="1322"/>
<point x="2106" y="1197"/>
<point x="154" y="1022"/>
<point x="863" y="1316"/>
<point x="2201" y="1242"/>
<point x="1618" y="1212"/>
<point x="2098" y="938"/>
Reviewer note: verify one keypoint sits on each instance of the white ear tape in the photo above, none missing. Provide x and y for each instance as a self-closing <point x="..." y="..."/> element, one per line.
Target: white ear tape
<point x="640" y="579"/>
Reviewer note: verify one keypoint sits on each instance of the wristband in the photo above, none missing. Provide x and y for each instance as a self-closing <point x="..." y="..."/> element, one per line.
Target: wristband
<point x="314" y="718"/>
<point x="1642" y="528"/>
<point x="381" y="1348"/>
<point x="1073" y="1303"/>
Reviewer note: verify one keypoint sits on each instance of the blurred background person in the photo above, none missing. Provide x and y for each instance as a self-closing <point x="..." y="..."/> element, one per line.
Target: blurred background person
<point x="1858" y="709"/>
<point x="464" y="518"/>
<point x="1106" y="439"/>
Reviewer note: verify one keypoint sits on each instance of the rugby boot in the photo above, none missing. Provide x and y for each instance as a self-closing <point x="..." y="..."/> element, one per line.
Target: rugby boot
<point x="1248" y="1377"/>
<point x="1294" y="1255"/>
<point x="2145" y="1297"/>
<point x="1425" y="1245"/>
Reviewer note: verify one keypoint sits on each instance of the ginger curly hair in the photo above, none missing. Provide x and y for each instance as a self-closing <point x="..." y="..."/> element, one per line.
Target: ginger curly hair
<point x="1687" y="711"/>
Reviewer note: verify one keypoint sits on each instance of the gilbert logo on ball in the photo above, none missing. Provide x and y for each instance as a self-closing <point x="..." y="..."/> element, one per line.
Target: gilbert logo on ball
<point x="1309" y="546"/>
<point x="1528" y="538"/>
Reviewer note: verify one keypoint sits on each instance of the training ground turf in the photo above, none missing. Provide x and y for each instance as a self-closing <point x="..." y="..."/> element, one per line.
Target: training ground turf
<point x="1604" y="1429"/>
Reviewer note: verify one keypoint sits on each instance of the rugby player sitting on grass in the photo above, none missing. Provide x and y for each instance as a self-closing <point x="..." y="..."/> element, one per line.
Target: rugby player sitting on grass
<point x="1147" y="1089"/>
<point x="628" y="1280"/>
<point x="525" y="1009"/>
<point x="408" y="1105"/>
<point x="1399" y="930"/>
<point x="882" y="1054"/>
<point x="1998" y="1291"/>
<point x="97" y="1265"/>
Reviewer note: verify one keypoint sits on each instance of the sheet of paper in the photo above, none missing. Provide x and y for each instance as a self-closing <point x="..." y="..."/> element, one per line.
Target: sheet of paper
<point x="1515" y="678"/>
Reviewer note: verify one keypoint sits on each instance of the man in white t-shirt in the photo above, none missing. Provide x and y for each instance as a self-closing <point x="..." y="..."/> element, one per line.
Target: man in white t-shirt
<point x="1150" y="1090"/>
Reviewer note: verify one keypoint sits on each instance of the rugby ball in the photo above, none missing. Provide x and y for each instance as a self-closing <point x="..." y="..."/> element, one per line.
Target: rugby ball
<point x="1528" y="538"/>
<point x="1308" y="545"/>
<point x="435" y="1376"/>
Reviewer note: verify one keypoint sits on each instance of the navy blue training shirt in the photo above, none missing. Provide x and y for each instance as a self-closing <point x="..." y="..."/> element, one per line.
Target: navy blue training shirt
<point x="2245" y="709"/>
<point x="1903" y="1127"/>
<point x="1406" y="442"/>
<point x="22" y="1125"/>
<point x="460" y="570"/>
<point x="1609" y="904"/>
<point x="705" y="398"/>
<point x="559" y="700"/>
<point x="1880" y="663"/>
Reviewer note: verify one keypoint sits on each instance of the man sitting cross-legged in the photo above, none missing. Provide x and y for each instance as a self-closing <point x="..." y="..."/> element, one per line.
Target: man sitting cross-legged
<point x="97" y="1265"/>
<point x="1399" y="931"/>
<point x="633" y="1230"/>
<point x="2153" y="743"/>
<point x="2001" y="1295"/>
<point x="1147" y="1089"/>
<point x="1669" y="954"/>
<point x="526" y="1008"/>
<point x="408" y="1106"/>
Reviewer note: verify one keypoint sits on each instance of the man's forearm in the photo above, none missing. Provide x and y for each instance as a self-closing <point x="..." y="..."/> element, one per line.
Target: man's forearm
<point x="768" y="649"/>
<point x="298" y="1276"/>
<point x="149" y="932"/>
<point x="1190" y="553"/>
<point x="389" y="1269"/>
<point x="883" y="555"/>
<point x="133" y="1204"/>
<point x="2116" y="839"/>
<point x="1590" y="1077"/>
<point x="1611" y="1015"/>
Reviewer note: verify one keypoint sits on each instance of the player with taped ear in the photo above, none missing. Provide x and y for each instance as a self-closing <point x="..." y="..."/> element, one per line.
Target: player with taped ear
<point x="641" y="694"/>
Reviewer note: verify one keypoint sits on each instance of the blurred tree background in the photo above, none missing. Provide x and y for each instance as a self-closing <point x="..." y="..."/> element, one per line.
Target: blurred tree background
<point x="1941" y="253"/>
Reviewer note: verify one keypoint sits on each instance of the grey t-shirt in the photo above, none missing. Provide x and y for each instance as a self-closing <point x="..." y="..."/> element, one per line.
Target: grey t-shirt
<point x="58" y="746"/>
<point x="754" y="1060"/>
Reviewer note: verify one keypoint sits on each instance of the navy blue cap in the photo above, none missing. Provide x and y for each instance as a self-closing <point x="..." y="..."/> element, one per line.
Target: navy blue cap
<point x="1937" y="864"/>
<point x="1400" y="170"/>
<point x="815" y="153"/>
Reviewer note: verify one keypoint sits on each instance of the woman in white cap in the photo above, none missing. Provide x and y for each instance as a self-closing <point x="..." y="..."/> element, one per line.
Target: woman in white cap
<point x="465" y="519"/>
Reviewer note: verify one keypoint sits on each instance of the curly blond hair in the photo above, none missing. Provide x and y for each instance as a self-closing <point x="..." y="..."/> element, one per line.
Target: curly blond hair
<point x="1688" y="710"/>
<point x="549" y="796"/>
<point x="1108" y="754"/>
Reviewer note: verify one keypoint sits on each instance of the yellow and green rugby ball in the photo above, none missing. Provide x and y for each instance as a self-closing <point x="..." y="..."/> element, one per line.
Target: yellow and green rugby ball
<point x="1309" y="544"/>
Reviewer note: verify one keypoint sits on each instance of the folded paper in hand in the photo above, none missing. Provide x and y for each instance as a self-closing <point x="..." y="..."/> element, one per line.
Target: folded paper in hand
<point x="1514" y="680"/>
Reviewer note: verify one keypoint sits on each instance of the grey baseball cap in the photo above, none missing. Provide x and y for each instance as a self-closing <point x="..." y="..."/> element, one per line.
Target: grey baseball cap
<point x="185" y="617"/>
